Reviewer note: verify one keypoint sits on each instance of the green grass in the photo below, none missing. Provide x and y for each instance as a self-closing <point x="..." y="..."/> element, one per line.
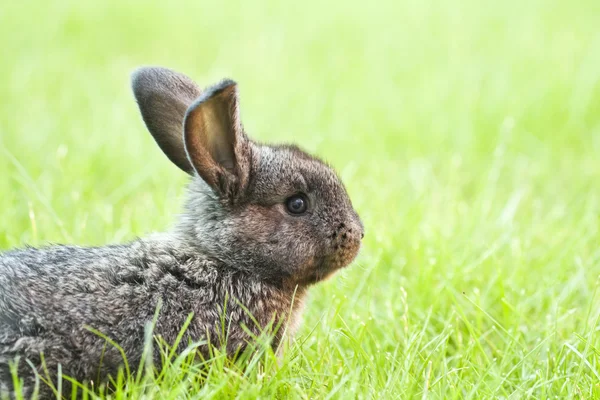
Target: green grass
<point x="467" y="132"/>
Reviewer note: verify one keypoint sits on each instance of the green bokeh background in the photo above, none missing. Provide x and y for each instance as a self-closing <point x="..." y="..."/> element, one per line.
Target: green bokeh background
<point x="467" y="133"/>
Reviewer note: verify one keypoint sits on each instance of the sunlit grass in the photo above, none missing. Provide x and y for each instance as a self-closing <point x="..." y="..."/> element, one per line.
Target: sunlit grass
<point x="468" y="134"/>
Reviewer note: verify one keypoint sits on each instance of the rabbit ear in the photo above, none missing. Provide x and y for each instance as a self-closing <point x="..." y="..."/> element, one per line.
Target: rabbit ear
<point x="163" y="97"/>
<point x="215" y="141"/>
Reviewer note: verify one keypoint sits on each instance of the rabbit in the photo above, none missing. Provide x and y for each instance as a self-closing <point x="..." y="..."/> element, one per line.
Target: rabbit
<point x="260" y="226"/>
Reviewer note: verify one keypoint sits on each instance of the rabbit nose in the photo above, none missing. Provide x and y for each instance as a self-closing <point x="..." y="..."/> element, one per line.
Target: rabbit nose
<point x="355" y="230"/>
<point x="358" y="226"/>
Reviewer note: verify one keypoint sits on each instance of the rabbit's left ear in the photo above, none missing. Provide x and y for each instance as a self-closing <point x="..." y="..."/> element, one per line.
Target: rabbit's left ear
<point x="163" y="96"/>
<point x="215" y="141"/>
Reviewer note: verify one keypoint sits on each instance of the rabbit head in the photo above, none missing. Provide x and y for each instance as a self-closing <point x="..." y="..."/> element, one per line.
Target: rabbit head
<point x="273" y="211"/>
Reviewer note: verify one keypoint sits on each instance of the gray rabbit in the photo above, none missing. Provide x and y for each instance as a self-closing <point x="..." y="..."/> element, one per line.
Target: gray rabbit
<point x="261" y="225"/>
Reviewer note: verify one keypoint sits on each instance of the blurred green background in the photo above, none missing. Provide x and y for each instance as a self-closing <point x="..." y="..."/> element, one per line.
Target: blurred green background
<point x="467" y="132"/>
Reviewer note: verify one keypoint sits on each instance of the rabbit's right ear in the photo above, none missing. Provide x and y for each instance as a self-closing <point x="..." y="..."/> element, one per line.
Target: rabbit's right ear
<point x="163" y="97"/>
<point x="215" y="141"/>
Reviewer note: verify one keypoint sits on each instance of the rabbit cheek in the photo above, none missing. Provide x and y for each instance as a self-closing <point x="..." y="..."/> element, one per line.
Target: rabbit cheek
<point x="260" y="224"/>
<point x="273" y="241"/>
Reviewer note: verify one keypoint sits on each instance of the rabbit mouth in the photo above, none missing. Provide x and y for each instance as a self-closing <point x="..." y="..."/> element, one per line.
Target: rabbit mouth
<point x="344" y="252"/>
<point x="341" y="258"/>
<point x="320" y="268"/>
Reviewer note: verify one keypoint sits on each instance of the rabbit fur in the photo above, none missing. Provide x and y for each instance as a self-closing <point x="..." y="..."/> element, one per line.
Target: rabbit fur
<point x="237" y="251"/>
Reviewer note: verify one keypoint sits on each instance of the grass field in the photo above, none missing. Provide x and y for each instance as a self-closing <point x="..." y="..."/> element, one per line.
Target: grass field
<point x="467" y="132"/>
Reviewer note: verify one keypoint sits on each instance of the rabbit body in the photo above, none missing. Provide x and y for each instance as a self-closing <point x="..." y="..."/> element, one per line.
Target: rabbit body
<point x="260" y="225"/>
<point x="50" y="297"/>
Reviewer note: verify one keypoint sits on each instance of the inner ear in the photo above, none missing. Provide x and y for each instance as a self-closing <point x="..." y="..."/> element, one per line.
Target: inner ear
<point x="220" y="130"/>
<point x="214" y="138"/>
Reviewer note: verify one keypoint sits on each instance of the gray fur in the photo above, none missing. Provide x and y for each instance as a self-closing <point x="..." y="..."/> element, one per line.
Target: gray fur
<point x="234" y="247"/>
<point x="164" y="97"/>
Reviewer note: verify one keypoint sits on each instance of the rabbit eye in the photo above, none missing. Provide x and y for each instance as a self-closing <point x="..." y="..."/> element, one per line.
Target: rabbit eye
<point x="296" y="204"/>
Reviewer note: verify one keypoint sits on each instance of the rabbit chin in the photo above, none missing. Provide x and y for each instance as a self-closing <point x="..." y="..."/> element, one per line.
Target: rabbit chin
<point x="327" y="266"/>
